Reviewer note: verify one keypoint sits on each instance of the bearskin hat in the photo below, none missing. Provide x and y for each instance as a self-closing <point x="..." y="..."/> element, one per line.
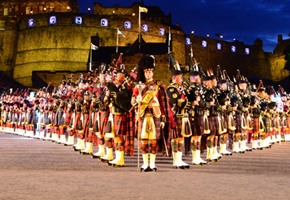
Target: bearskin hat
<point x="146" y="62"/>
<point x="264" y="105"/>
<point x="272" y="105"/>
<point x="234" y="100"/>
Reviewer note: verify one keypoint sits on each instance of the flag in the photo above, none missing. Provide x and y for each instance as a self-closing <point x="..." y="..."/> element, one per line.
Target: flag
<point x="94" y="47"/>
<point x="143" y="9"/>
<point x="120" y="33"/>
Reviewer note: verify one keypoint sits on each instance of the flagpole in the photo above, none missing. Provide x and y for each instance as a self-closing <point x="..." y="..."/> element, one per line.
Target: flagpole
<point x="169" y="40"/>
<point x="91" y="52"/>
<point x="117" y="42"/>
<point x="139" y="28"/>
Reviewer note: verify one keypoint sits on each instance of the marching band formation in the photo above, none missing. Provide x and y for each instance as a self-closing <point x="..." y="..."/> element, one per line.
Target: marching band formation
<point x="110" y="109"/>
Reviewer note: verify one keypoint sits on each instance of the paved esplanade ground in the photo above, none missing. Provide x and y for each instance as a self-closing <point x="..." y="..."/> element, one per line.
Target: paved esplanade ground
<point x="36" y="169"/>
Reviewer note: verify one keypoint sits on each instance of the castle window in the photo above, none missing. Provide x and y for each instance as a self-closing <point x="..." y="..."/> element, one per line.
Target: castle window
<point x="247" y="51"/>
<point x="78" y="20"/>
<point x="233" y="49"/>
<point x="204" y="43"/>
<point x="28" y="10"/>
<point x="40" y="8"/>
<point x="187" y="41"/>
<point x="145" y="28"/>
<point x="5" y="12"/>
<point x="104" y="22"/>
<point x="219" y="46"/>
<point x="127" y="25"/>
<point x="162" y="31"/>
<point x="31" y="22"/>
<point x="2" y="27"/>
<point x="52" y="20"/>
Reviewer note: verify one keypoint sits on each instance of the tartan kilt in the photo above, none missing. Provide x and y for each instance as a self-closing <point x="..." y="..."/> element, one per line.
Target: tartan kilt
<point x="238" y="122"/>
<point x="176" y="131"/>
<point x="120" y="125"/>
<point x="86" y="118"/>
<point x="256" y="125"/>
<point x="130" y="134"/>
<point x="68" y="118"/>
<point x="267" y="123"/>
<point x="198" y="126"/>
<point x="213" y="125"/>
<point x="103" y="119"/>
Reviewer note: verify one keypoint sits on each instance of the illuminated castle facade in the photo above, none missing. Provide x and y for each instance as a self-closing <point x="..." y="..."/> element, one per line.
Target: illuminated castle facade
<point x="52" y="36"/>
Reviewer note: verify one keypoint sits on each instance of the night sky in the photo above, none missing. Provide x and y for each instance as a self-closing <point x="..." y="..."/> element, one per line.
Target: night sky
<point x="243" y="20"/>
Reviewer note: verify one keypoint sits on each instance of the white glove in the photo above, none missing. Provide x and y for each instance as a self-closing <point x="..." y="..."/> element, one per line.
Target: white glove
<point x="162" y="124"/>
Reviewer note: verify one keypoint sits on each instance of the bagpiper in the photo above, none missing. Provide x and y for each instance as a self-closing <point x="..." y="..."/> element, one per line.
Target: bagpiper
<point x="119" y="95"/>
<point x="197" y="115"/>
<point x="180" y="105"/>
<point x="101" y="114"/>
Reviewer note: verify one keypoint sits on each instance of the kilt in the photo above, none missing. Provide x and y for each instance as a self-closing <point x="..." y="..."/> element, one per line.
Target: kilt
<point x="256" y="125"/>
<point x="267" y="123"/>
<point x="68" y="118"/>
<point x="78" y="121"/>
<point x="129" y="139"/>
<point x="213" y="125"/>
<point x="238" y="123"/>
<point x="198" y="126"/>
<point x="120" y="125"/>
<point x="177" y="132"/>
<point x="103" y="119"/>
<point x="156" y="123"/>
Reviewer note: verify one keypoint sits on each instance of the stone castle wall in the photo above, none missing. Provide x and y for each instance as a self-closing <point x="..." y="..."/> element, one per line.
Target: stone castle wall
<point x="65" y="45"/>
<point x="7" y="50"/>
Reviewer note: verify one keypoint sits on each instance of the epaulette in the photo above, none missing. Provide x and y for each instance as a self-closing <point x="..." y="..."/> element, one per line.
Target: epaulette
<point x="173" y="85"/>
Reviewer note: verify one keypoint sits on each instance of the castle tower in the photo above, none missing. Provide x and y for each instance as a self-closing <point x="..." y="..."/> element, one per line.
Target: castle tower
<point x="12" y="12"/>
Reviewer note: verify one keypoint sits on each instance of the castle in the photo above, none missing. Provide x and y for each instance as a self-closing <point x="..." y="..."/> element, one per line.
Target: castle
<point x="52" y="36"/>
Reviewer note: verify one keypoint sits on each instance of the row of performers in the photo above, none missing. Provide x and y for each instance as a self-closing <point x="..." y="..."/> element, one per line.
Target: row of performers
<point x="201" y="115"/>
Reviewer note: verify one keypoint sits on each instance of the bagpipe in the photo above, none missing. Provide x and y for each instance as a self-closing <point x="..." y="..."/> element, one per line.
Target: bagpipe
<point x="119" y="95"/>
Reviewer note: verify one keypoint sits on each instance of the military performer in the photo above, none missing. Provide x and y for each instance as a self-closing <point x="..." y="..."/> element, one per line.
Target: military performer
<point x="153" y="111"/>
<point x="86" y="115"/>
<point x="61" y="120"/>
<point x="225" y="120"/>
<point x="77" y="125"/>
<point x="180" y="106"/>
<point x="119" y="95"/>
<point x="69" y="120"/>
<point x="105" y="100"/>
<point x="212" y="125"/>
<point x="197" y="116"/>
<point x="47" y="119"/>
<point x="243" y="117"/>
<point x="101" y="115"/>
<point x="54" y="125"/>
<point x="29" y="128"/>
<point x="39" y="123"/>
